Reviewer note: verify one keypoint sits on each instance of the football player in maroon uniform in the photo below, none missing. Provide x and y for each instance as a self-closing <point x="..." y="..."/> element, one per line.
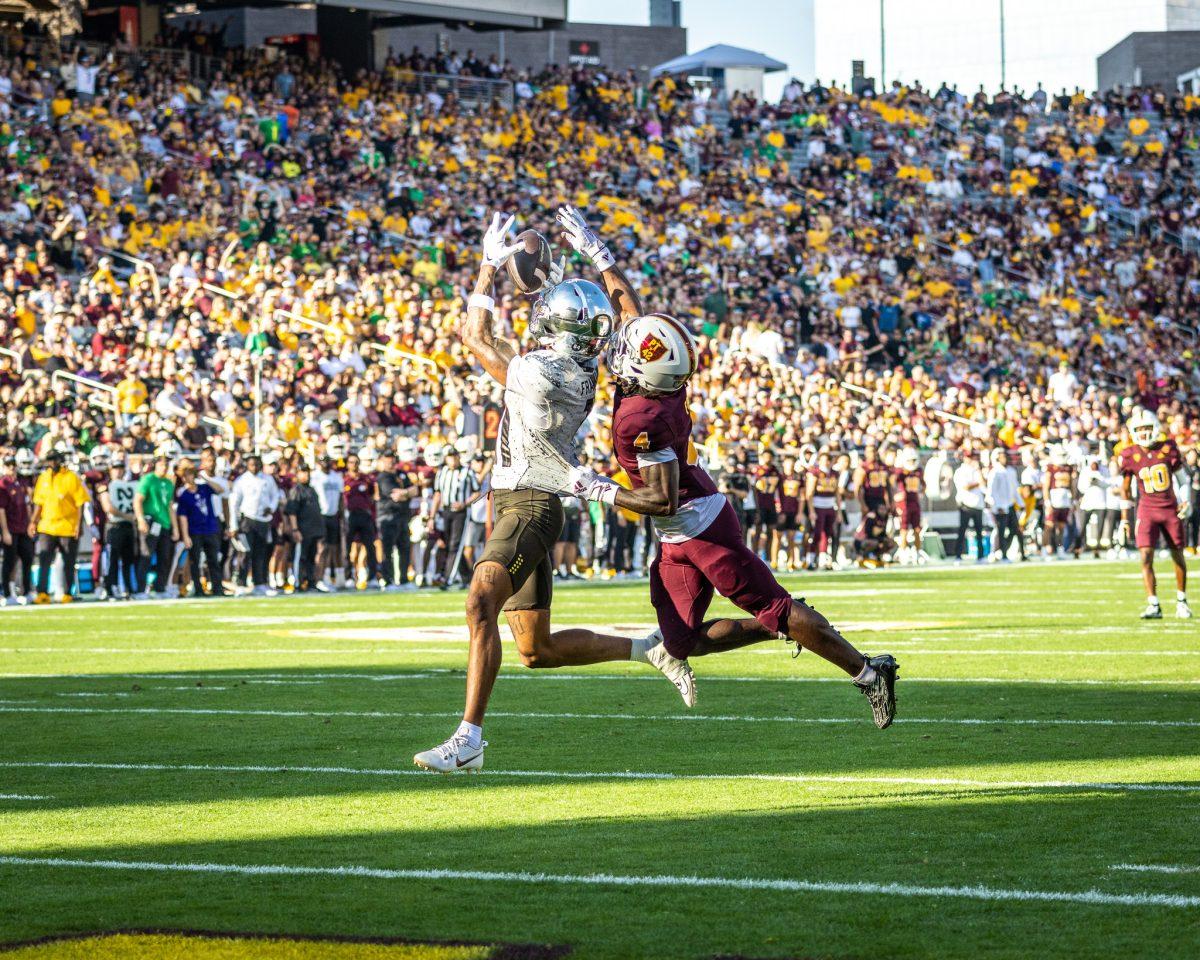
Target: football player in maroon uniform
<point x="824" y="498"/>
<point x="789" y="523"/>
<point x="1059" y="485"/>
<point x="873" y="482"/>
<point x="766" y="497"/>
<point x="651" y="358"/>
<point x="910" y="484"/>
<point x="1152" y="462"/>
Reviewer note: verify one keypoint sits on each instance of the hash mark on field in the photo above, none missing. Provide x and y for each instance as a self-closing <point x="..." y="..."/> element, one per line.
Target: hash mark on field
<point x="1155" y="868"/>
<point x="537" y="715"/>
<point x="614" y="775"/>
<point x="1095" y="897"/>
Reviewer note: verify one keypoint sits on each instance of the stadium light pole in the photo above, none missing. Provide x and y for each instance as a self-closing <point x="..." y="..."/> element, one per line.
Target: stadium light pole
<point x="882" y="50"/>
<point x="1003" y="57"/>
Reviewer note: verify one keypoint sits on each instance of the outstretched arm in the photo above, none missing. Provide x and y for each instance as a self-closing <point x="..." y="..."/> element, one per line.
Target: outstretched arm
<point x="584" y="241"/>
<point x="494" y="353"/>
<point x="658" y="498"/>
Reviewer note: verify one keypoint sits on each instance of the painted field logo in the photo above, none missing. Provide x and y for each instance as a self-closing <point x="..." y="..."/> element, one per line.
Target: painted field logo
<point x="652" y="348"/>
<point x="171" y="945"/>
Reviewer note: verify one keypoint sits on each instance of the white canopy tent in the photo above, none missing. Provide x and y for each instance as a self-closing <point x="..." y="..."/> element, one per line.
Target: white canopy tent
<point x="731" y="69"/>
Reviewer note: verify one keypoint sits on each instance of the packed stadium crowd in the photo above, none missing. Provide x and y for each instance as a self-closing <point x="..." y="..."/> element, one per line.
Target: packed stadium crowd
<point x="230" y="312"/>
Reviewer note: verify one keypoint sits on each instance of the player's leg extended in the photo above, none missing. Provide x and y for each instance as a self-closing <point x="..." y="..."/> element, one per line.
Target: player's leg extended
<point x="1152" y="611"/>
<point x="491" y="586"/>
<point x="539" y="648"/>
<point x="749" y="584"/>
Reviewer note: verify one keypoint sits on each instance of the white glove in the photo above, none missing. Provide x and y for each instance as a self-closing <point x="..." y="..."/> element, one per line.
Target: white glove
<point x="587" y="484"/>
<point x="496" y="250"/>
<point x="583" y="239"/>
<point x="1185" y="509"/>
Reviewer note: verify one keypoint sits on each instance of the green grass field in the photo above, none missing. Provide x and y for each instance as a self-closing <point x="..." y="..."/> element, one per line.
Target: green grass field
<point x="245" y="765"/>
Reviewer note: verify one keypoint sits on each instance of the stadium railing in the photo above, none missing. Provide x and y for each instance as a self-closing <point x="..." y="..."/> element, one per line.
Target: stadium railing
<point x="95" y="386"/>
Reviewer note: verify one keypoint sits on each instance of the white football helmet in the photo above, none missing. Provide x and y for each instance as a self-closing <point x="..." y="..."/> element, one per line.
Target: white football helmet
<point x="435" y="454"/>
<point x="908" y="459"/>
<point x="100" y="457"/>
<point x="654" y="353"/>
<point x="368" y="459"/>
<point x="337" y="447"/>
<point x="26" y="462"/>
<point x="1058" y="455"/>
<point x="573" y="318"/>
<point x="1144" y="428"/>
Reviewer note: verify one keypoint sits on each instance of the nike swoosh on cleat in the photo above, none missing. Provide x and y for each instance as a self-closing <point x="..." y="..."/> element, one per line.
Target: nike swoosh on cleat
<point x="459" y="761"/>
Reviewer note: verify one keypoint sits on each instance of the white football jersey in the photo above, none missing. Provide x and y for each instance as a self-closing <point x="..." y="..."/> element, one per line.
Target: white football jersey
<point x="547" y="398"/>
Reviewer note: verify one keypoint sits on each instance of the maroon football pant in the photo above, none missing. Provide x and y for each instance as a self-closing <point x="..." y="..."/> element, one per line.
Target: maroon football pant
<point x="1153" y="522"/>
<point x="824" y="530"/>
<point x="684" y="576"/>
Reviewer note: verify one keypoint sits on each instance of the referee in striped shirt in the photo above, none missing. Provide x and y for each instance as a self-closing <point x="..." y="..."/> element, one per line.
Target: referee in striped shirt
<point x="455" y="487"/>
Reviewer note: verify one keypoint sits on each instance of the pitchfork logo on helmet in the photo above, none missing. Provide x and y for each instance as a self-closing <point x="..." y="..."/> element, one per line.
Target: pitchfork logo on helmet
<point x="1145" y="429"/>
<point x="573" y="318"/>
<point x="654" y="353"/>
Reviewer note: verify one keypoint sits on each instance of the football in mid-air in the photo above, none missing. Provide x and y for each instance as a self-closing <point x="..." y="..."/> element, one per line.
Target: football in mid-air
<point x="529" y="267"/>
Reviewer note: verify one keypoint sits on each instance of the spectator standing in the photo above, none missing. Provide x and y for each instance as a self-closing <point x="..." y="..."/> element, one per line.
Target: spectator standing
<point x="455" y="487"/>
<point x="477" y="513"/>
<point x="58" y="499"/>
<point x="305" y="523"/>
<point x="253" y="502"/>
<point x="153" y="506"/>
<point x="733" y="481"/>
<point x="198" y="528"/>
<point x="969" y="495"/>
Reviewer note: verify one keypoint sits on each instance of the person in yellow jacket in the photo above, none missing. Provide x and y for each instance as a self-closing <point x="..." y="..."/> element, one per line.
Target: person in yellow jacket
<point x="58" y="499"/>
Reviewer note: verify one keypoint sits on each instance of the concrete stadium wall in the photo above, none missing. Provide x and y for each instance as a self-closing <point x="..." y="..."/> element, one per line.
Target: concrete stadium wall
<point x="621" y="46"/>
<point x="1161" y="56"/>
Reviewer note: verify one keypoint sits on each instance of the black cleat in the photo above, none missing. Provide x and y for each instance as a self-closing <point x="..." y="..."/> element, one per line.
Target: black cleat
<point x="882" y="690"/>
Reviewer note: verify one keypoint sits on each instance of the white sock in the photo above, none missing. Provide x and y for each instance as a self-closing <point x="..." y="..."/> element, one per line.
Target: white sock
<point x="1181" y="596"/>
<point x="639" y="645"/>
<point x="1152" y="600"/>
<point x="473" y="734"/>
<point x="866" y="676"/>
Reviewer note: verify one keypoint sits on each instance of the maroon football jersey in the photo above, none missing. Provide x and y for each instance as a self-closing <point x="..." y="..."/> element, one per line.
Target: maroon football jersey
<point x="360" y="492"/>
<point x="790" y="490"/>
<point x="1154" y="469"/>
<point x="648" y="424"/>
<point x="910" y="483"/>
<point x="875" y="481"/>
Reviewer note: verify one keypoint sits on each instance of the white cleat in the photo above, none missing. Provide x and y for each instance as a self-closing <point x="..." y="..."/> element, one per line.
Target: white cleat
<point x="324" y="587"/>
<point x="1152" y="612"/>
<point x="453" y="756"/>
<point x="1183" y="611"/>
<point x="679" y="672"/>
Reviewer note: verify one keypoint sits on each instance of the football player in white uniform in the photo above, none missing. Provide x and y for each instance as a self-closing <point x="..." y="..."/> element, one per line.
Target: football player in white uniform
<point x="548" y="394"/>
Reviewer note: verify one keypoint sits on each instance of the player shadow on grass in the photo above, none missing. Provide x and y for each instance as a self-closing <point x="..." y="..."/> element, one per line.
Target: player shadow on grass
<point x="310" y="725"/>
<point x="1023" y="840"/>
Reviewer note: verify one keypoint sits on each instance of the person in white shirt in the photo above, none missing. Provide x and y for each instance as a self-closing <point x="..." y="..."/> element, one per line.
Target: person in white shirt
<point x="1002" y="501"/>
<point x="252" y="504"/>
<point x="329" y="483"/>
<point x="969" y="495"/>
<point x="1094" y="484"/>
<point x="1062" y="385"/>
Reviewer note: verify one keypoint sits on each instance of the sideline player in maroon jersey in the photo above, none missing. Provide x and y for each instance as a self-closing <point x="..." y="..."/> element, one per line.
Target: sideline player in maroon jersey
<point x="910" y="484"/>
<point x="873" y="483"/>
<point x="651" y="358"/>
<point x="1152" y="462"/>
<point x="1059" y="484"/>
<point x="824" y="498"/>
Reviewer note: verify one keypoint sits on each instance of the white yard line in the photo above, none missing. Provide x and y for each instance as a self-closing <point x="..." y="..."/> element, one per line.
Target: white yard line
<point x="639" y="717"/>
<point x="1094" y="897"/>
<point x="543" y="675"/>
<point x="383" y="647"/>
<point x="24" y="796"/>
<point x="616" y="775"/>
<point x="1155" y="868"/>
